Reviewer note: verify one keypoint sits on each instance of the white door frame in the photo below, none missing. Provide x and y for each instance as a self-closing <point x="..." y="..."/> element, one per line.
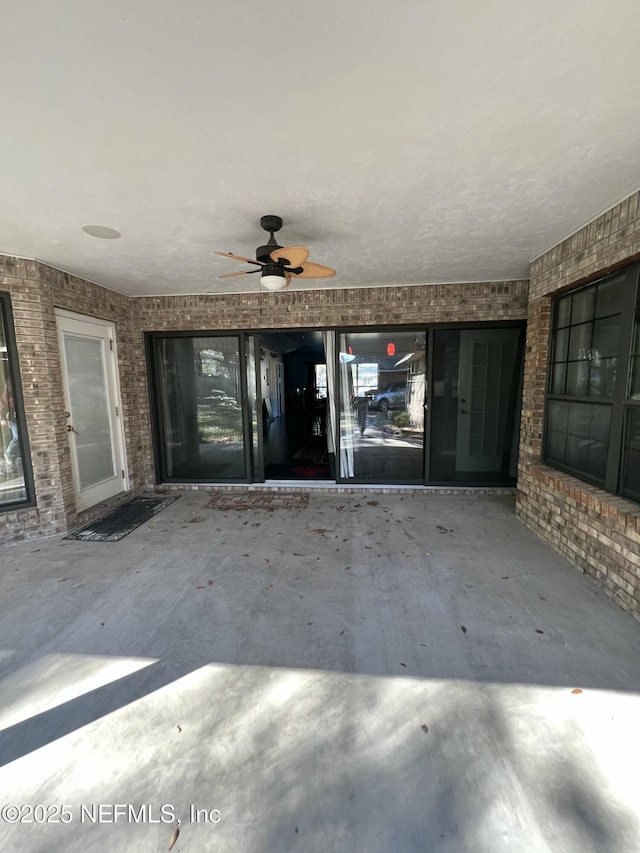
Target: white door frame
<point x="95" y="328"/>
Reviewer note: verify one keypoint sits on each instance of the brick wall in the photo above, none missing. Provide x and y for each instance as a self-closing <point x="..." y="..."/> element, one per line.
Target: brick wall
<point x="436" y="303"/>
<point x="36" y="291"/>
<point x="596" y="531"/>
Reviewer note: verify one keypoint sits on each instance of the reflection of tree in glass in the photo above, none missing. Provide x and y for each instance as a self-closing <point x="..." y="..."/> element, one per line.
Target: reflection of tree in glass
<point x="219" y="420"/>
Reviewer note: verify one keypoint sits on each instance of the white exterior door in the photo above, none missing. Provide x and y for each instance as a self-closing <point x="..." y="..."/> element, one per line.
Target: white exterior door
<point x="94" y="424"/>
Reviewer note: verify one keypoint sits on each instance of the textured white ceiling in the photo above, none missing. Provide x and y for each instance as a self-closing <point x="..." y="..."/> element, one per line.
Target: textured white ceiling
<point x="402" y="141"/>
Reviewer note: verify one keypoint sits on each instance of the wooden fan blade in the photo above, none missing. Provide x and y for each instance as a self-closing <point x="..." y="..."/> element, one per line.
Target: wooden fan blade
<point x="240" y="272"/>
<point x="295" y="256"/>
<point x="240" y="258"/>
<point x="315" y="271"/>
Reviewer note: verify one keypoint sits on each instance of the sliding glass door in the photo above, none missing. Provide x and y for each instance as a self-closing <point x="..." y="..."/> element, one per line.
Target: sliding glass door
<point x="382" y="381"/>
<point x="357" y="407"/>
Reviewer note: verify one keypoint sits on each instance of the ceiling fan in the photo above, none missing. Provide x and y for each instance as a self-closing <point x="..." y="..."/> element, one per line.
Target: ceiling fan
<point x="276" y="264"/>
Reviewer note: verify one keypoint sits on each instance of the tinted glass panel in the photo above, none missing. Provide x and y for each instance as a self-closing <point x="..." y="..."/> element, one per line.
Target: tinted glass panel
<point x="595" y="437"/>
<point x="577" y="378"/>
<point x="606" y="338"/>
<point x="609" y="298"/>
<point x="476" y="375"/>
<point x="631" y="460"/>
<point x="563" y="312"/>
<point x="558" y="378"/>
<point x="582" y="307"/>
<point x="634" y="391"/>
<point x="13" y="487"/>
<point x="580" y="341"/>
<point x="561" y="345"/>
<point x="635" y="379"/>
<point x="200" y="408"/>
<point x="578" y="436"/>
<point x="382" y="392"/>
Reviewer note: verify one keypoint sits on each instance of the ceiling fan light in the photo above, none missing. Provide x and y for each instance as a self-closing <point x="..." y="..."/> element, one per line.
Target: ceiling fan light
<point x="273" y="282"/>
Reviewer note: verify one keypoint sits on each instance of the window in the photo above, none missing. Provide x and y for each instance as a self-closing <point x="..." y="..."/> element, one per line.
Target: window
<point x="15" y="472"/>
<point x="592" y="426"/>
<point x="321" y="380"/>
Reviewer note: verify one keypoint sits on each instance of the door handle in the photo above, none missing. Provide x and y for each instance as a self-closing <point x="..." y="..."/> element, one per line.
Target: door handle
<point x="72" y="429"/>
<point x="464" y="412"/>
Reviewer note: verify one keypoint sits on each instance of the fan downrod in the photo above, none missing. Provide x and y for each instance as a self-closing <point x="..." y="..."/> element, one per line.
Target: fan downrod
<point x="270" y="223"/>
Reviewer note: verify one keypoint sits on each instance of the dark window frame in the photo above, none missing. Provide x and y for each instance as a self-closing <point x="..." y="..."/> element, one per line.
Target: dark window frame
<point x="619" y="402"/>
<point x="13" y="370"/>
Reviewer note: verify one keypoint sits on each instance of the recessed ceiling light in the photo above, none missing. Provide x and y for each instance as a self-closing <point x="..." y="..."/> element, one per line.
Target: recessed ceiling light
<point x="101" y="231"/>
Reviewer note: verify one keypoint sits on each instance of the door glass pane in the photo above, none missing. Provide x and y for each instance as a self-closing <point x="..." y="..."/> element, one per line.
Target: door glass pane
<point x="200" y="403"/>
<point x="474" y="418"/>
<point x="89" y="404"/>
<point x="382" y="393"/>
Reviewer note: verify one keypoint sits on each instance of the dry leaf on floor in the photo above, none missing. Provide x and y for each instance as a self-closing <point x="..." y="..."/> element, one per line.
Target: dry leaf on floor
<point x="538" y="631"/>
<point x="463" y="629"/>
<point x="62" y="580"/>
<point x="201" y="587"/>
<point x="269" y="586"/>
<point x="341" y="633"/>
<point x="576" y="690"/>
<point x="319" y="530"/>
<point x="209" y="582"/>
<point x="179" y="728"/>
<point x="174" y="838"/>
<point x="196" y="519"/>
<point x="424" y="728"/>
<point x="373" y="503"/>
<point x="403" y="664"/>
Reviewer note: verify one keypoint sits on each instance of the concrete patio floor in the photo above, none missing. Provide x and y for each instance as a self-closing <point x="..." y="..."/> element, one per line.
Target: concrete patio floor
<point x="376" y="673"/>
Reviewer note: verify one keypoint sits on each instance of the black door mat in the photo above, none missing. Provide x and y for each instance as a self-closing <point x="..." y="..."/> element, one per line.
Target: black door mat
<point x="122" y="520"/>
<point x="268" y="501"/>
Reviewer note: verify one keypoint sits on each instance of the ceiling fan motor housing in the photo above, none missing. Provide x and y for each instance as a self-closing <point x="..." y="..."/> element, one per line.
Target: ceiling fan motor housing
<point x="263" y="252"/>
